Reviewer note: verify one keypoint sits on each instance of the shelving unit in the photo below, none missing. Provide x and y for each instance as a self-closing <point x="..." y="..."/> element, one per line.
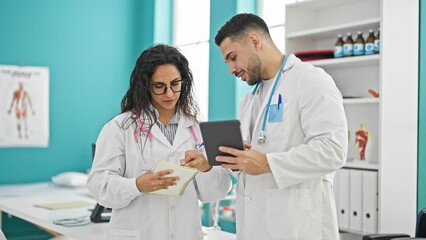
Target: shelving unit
<point x="358" y="164"/>
<point x="332" y="31"/>
<point x="356" y="101"/>
<point x="357" y="61"/>
<point x="391" y="119"/>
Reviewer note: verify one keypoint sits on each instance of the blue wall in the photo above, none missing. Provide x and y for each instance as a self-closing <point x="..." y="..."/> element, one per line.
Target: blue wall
<point x="90" y="48"/>
<point x="225" y="91"/>
<point x="221" y="83"/>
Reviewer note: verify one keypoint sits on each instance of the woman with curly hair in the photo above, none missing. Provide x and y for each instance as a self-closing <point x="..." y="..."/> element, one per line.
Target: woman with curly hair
<point x="158" y="122"/>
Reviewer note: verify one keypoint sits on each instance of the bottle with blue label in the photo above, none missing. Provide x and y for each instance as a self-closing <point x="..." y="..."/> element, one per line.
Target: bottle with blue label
<point x="377" y="42"/>
<point x="348" y="46"/>
<point x="359" y="45"/>
<point x="338" y="46"/>
<point x="369" y="44"/>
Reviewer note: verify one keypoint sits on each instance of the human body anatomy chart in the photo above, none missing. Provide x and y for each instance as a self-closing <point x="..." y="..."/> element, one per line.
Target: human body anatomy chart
<point x="24" y="106"/>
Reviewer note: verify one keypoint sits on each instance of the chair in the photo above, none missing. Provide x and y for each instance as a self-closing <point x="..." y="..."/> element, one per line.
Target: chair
<point x="99" y="213"/>
<point x="420" y="231"/>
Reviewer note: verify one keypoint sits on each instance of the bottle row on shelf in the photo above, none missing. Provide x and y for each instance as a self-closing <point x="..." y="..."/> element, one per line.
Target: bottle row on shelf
<point x="361" y="46"/>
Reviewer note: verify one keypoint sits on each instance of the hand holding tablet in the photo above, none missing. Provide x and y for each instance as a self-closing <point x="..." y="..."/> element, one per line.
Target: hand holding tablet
<point x="220" y="133"/>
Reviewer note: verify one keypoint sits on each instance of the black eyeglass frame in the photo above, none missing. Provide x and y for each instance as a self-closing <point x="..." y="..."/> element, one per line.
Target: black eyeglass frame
<point x="165" y="86"/>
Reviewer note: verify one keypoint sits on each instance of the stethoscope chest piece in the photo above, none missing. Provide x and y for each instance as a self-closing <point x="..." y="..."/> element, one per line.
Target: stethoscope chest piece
<point x="261" y="138"/>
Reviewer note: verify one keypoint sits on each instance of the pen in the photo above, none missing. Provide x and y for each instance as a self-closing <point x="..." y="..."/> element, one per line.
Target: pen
<point x="199" y="146"/>
<point x="279" y="100"/>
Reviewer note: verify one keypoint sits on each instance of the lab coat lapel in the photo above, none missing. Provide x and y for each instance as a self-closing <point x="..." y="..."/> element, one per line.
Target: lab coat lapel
<point x="159" y="135"/>
<point x="291" y="60"/>
<point x="245" y="119"/>
<point x="182" y="133"/>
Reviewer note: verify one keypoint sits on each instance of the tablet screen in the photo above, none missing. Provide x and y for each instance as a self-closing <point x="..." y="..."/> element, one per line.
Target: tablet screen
<point x="220" y="133"/>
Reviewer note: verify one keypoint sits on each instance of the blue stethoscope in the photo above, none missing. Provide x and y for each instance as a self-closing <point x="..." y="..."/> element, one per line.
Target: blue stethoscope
<point x="262" y="136"/>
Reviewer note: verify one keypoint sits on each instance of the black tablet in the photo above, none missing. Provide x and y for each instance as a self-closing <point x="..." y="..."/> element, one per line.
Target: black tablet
<point x="220" y="133"/>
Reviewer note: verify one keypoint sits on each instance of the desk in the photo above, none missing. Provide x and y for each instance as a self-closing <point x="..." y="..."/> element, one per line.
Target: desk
<point x="19" y="200"/>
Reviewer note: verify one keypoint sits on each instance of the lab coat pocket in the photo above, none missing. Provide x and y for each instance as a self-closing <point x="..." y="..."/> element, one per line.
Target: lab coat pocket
<point x="276" y="113"/>
<point x="288" y="213"/>
<point x="123" y="234"/>
<point x="276" y="109"/>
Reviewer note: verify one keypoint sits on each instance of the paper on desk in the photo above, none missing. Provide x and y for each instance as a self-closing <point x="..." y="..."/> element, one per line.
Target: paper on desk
<point x="62" y="205"/>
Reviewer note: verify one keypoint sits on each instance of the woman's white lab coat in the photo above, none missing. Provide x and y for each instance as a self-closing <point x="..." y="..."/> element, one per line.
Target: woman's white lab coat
<point x="135" y="215"/>
<point x="296" y="200"/>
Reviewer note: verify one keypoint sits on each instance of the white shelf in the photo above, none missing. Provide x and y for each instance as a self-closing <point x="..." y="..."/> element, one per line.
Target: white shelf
<point x="349" y="101"/>
<point x="354" y="61"/>
<point x="333" y="30"/>
<point x="314" y="25"/>
<point x="358" y="164"/>
<point x="319" y="4"/>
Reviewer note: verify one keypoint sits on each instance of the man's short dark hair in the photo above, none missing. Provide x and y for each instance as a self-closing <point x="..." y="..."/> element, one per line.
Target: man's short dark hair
<point x="239" y="24"/>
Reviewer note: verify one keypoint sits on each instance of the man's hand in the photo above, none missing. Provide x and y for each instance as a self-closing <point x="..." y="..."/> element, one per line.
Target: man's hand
<point x="247" y="161"/>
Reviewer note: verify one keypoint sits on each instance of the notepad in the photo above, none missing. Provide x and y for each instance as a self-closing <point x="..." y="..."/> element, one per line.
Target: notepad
<point x="62" y="205"/>
<point x="185" y="175"/>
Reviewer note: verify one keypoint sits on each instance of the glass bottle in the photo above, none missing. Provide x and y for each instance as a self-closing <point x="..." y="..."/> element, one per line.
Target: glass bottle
<point x="338" y="46"/>
<point x="377" y="42"/>
<point x="348" y="45"/>
<point x="369" y="44"/>
<point x="359" y="45"/>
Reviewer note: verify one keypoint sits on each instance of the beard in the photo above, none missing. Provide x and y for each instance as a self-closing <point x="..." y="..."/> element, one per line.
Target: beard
<point x="254" y="69"/>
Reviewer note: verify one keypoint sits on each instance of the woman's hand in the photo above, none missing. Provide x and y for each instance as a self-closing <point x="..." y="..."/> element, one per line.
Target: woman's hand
<point x="196" y="159"/>
<point x="150" y="182"/>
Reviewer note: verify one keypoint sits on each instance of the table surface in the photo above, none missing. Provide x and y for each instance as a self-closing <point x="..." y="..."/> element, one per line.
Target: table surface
<point x="19" y="200"/>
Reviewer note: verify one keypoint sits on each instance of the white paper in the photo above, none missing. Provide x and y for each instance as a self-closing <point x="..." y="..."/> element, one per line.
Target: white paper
<point x="185" y="175"/>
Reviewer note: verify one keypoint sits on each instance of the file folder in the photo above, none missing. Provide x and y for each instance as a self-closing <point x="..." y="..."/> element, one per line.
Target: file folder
<point x="343" y="198"/>
<point x="355" y="200"/>
<point x="369" y="201"/>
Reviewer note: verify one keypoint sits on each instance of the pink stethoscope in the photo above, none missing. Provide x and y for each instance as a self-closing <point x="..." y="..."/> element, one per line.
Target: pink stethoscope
<point x="140" y="128"/>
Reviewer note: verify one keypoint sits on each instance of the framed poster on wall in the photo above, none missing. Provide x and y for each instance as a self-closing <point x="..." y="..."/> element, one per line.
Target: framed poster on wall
<point x="24" y="106"/>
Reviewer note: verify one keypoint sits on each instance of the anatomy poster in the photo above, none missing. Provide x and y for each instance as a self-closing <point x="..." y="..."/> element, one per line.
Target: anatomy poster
<point x="24" y="106"/>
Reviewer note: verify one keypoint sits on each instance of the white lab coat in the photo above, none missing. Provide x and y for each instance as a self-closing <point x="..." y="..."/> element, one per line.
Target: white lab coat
<point x="296" y="200"/>
<point x="135" y="215"/>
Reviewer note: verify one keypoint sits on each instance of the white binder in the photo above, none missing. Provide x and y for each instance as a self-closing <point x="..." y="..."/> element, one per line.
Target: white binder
<point x="369" y="201"/>
<point x="342" y="200"/>
<point x="355" y="200"/>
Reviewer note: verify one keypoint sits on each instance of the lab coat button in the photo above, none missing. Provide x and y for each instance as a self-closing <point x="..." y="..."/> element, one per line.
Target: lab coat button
<point x="248" y="199"/>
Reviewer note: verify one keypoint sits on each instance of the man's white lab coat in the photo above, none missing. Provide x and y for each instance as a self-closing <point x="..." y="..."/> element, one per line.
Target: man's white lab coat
<point x="295" y="200"/>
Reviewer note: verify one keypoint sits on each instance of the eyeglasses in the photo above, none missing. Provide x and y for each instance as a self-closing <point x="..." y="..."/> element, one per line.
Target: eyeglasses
<point x="161" y="88"/>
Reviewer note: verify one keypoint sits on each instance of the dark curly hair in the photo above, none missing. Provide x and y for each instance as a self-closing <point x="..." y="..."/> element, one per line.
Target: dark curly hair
<point x="138" y="97"/>
<point x="238" y="25"/>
